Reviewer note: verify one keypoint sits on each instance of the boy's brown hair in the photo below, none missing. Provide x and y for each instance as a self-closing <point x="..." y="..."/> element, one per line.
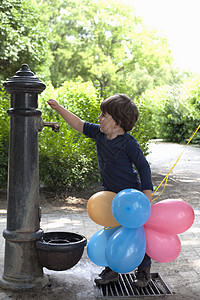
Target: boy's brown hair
<point x="122" y="109"/>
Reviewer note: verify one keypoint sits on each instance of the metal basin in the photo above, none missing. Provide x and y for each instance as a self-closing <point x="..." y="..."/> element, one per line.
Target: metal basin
<point x="60" y="250"/>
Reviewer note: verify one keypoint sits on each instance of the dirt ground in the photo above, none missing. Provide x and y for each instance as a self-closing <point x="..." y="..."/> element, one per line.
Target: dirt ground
<point x="179" y="185"/>
<point x="175" y="188"/>
<point x="77" y="200"/>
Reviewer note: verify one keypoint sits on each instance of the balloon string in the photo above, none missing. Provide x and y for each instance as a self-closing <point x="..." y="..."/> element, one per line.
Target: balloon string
<point x="107" y="228"/>
<point x="166" y="177"/>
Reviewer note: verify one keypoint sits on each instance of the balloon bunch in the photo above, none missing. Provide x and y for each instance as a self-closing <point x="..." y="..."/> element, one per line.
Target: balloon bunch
<point x="168" y="218"/>
<point x="132" y="227"/>
<point x="122" y="245"/>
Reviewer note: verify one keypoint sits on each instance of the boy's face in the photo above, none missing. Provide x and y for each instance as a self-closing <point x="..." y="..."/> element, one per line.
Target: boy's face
<point x="107" y="123"/>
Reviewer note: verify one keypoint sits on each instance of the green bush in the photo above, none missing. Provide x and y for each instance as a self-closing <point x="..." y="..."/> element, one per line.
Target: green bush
<point x="67" y="158"/>
<point x="4" y="137"/>
<point x="144" y="129"/>
<point x="176" y="111"/>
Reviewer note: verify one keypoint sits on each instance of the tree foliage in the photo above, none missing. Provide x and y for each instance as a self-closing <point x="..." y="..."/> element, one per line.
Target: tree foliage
<point x="104" y="41"/>
<point x="23" y="38"/>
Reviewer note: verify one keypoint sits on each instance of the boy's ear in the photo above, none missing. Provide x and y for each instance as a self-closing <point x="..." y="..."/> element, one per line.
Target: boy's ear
<point x="117" y="125"/>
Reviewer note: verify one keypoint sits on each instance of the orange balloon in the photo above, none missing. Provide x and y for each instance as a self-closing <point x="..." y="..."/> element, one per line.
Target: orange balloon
<point x="99" y="208"/>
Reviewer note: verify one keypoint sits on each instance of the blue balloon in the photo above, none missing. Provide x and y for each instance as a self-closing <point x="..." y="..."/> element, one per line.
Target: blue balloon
<point x="125" y="249"/>
<point x="131" y="208"/>
<point x="97" y="245"/>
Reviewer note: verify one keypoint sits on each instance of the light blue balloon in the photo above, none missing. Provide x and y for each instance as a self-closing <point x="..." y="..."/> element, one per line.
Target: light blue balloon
<point x="125" y="249"/>
<point x="131" y="208"/>
<point x="97" y="245"/>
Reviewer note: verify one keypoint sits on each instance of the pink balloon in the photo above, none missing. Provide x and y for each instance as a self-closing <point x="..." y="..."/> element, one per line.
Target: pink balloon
<point x="162" y="247"/>
<point x="170" y="216"/>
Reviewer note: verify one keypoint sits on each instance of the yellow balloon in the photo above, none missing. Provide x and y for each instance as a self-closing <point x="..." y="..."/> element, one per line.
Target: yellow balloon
<point x="99" y="208"/>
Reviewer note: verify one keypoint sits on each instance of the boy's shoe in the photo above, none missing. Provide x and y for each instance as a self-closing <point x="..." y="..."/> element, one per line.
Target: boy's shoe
<point x="106" y="276"/>
<point x="143" y="277"/>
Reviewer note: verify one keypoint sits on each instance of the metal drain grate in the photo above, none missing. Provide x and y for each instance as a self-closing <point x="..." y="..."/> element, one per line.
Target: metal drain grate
<point x="123" y="288"/>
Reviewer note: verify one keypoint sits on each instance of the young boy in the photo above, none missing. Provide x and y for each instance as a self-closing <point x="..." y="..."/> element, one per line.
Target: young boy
<point x="117" y="153"/>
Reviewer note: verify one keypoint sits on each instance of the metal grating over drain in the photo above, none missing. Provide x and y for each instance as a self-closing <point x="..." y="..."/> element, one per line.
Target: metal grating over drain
<point x="124" y="288"/>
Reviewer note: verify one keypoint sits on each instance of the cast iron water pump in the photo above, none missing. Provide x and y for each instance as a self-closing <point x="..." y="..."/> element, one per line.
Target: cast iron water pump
<point x="25" y="245"/>
<point x="21" y="266"/>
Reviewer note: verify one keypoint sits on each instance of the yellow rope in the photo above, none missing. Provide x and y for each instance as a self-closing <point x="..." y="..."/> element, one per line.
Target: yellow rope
<point x="166" y="177"/>
<point x="107" y="228"/>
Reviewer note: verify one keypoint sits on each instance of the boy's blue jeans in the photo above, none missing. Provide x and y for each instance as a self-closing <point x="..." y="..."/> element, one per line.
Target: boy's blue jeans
<point x="145" y="263"/>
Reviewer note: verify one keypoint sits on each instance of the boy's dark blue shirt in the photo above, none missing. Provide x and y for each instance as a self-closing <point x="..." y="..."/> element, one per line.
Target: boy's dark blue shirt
<point x="116" y="160"/>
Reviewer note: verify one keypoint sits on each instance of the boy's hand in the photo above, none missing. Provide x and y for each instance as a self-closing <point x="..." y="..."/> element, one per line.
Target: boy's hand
<point x="148" y="194"/>
<point x="73" y="121"/>
<point x="53" y="103"/>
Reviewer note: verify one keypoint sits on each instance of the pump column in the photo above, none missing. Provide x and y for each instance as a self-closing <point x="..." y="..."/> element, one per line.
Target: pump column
<point x="22" y="269"/>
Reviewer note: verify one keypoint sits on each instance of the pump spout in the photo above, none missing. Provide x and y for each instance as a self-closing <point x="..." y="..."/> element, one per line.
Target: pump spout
<point x="54" y="125"/>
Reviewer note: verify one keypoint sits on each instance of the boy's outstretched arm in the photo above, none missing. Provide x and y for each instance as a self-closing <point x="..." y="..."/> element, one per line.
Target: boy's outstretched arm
<point x="74" y="121"/>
